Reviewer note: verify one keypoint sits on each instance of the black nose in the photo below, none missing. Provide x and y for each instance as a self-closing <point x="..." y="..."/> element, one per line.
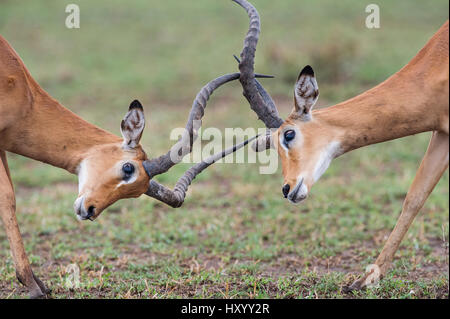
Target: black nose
<point x="90" y="212"/>
<point x="285" y="190"/>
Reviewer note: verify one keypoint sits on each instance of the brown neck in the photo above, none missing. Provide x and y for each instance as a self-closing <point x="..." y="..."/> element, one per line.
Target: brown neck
<point x="52" y="134"/>
<point x="412" y="101"/>
<point x="371" y="118"/>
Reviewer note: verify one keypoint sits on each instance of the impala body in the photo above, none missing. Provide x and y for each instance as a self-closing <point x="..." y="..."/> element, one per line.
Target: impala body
<point x="414" y="100"/>
<point x="109" y="168"/>
<point x="35" y="125"/>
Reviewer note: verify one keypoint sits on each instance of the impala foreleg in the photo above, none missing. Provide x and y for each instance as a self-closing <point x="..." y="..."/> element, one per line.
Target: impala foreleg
<point x="433" y="165"/>
<point x="7" y="211"/>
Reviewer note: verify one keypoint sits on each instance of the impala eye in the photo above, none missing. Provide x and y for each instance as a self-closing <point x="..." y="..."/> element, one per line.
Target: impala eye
<point x="289" y="135"/>
<point x="128" y="169"/>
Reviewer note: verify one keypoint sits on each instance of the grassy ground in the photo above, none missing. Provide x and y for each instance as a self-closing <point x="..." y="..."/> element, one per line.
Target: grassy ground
<point x="235" y="236"/>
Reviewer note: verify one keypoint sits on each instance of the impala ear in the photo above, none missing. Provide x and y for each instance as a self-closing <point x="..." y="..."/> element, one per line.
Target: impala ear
<point x="132" y="125"/>
<point x="306" y="92"/>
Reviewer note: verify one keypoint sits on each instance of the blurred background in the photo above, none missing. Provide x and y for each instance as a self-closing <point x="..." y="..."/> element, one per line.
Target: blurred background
<point x="235" y="236"/>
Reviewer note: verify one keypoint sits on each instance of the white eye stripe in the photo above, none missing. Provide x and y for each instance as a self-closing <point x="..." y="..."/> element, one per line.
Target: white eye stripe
<point x="297" y="140"/>
<point x="129" y="181"/>
<point x="133" y="176"/>
<point x="283" y="145"/>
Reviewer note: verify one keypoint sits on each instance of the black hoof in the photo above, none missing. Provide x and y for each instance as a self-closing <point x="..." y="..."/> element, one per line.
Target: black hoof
<point x="37" y="293"/>
<point x="41" y="285"/>
<point x="347" y="289"/>
<point x="355" y="286"/>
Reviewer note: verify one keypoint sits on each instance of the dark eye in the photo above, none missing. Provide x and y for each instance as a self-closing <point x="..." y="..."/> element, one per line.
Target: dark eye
<point x="128" y="169"/>
<point x="289" y="135"/>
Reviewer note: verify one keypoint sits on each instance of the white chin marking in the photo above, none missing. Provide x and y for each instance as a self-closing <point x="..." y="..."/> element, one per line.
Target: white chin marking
<point x="78" y="206"/>
<point x="325" y="158"/>
<point x="82" y="175"/>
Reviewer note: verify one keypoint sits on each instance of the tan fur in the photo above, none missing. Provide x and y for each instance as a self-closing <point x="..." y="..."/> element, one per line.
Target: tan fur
<point x="35" y="125"/>
<point x="103" y="179"/>
<point x="414" y="100"/>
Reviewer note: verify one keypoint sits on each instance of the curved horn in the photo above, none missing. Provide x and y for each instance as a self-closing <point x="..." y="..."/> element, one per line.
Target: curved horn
<point x="260" y="101"/>
<point x="176" y="153"/>
<point x="264" y="141"/>
<point x="176" y="197"/>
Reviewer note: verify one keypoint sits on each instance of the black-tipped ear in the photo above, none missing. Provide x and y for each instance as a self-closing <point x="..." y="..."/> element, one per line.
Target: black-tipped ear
<point x="307" y="70"/>
<point x="132" y="125"/>
<point x="306" y="93"/>
<point x="135" y="105"/>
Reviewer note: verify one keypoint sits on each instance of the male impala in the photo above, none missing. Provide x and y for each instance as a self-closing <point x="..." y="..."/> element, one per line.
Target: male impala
<point x="109" y="168"/>
<point x="414" y="100"/>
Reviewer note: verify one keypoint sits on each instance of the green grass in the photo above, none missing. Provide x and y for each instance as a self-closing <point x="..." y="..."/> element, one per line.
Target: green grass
<point x="235" y="236"/>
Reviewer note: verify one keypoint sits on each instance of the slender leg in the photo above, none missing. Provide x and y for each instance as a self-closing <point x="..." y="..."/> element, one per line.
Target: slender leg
<point x="433" y="165"/>
<point x="7" y="211"/>
<point x="5" y="165"/>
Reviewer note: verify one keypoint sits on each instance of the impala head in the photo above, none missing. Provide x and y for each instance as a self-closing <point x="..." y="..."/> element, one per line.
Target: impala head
<point x="305" y="149"/>
<point x="110" y="172"/>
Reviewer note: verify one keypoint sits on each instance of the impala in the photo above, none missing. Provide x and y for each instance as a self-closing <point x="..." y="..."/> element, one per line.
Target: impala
<point x="414" y="100"/>
<point x="109" y="168"/>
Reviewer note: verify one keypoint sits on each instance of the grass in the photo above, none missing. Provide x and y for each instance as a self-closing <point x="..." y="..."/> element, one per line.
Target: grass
<point x="235" y="236"/>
